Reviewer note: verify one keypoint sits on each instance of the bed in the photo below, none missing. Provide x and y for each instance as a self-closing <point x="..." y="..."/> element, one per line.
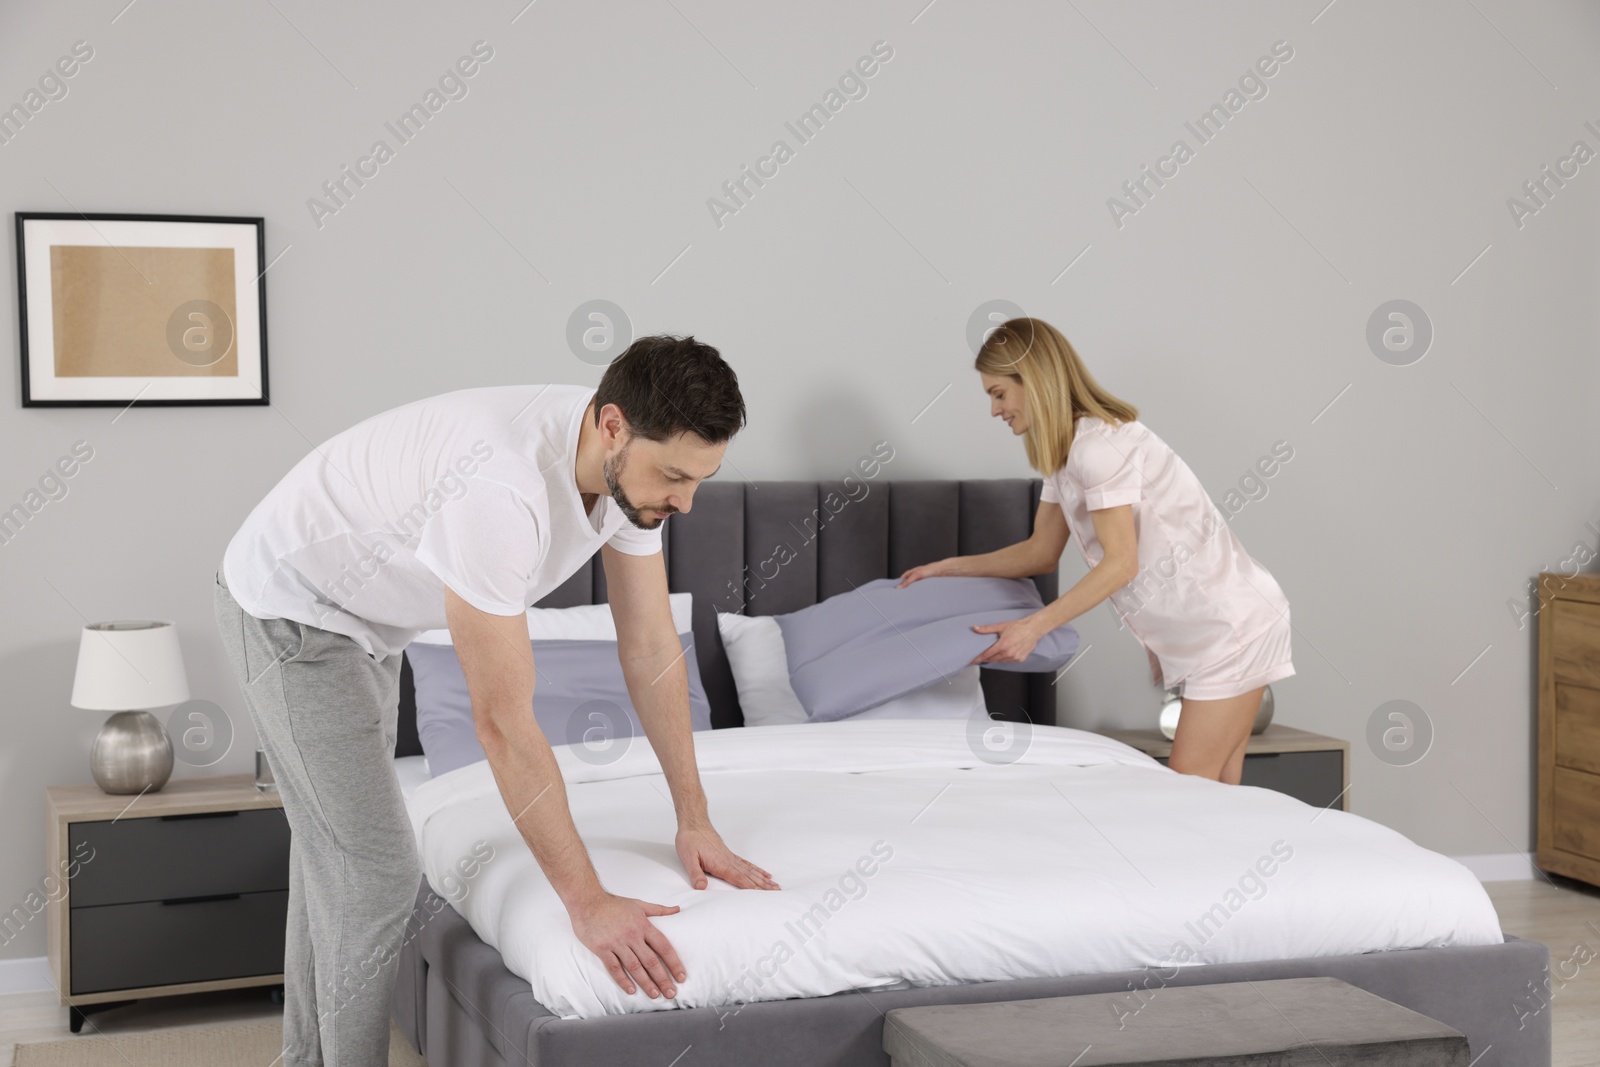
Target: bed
<point x="1130" y="855"/>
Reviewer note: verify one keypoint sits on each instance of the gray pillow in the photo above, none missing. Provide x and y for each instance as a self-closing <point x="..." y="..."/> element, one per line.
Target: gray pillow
<point x="580" y="698"/>
<point x="877" y="642"/>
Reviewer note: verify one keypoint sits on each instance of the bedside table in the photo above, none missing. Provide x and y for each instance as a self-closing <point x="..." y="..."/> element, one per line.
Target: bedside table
<point x="180" y="891"/>
<point x="1307" y="766"/>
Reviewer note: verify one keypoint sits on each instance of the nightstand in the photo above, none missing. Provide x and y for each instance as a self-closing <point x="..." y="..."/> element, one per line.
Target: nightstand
<point x="1307" y="766"/>
<point x="179" y="891"/>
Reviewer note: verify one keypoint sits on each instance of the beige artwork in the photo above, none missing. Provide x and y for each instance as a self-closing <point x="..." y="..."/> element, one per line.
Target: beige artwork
<point x="144" y="312"/>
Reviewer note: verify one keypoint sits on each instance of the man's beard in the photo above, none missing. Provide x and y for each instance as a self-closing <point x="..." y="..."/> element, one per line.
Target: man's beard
<point x="613" y="472"/>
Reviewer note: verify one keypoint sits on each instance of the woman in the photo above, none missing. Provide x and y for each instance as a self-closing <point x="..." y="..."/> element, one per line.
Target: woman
<point x="1213" y="621"/>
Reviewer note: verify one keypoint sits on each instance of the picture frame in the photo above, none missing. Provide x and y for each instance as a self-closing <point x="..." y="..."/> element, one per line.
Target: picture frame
<point x="159" y="310"/>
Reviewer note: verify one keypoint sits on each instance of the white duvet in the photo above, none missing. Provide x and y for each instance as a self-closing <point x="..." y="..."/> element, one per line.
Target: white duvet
<point x="906" y="859"/>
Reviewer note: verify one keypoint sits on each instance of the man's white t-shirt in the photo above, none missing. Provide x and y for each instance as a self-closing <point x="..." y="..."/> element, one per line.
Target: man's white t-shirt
<point x="1198" y="596"/>
<point x="475" y="490"/>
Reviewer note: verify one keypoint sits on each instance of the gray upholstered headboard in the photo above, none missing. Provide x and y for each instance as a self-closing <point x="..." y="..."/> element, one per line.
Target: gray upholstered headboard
<point x="766" y="548"/>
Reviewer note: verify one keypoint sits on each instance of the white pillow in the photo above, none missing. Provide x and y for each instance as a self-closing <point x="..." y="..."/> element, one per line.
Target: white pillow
<point x="587" y="622"/>
<point x="958" y="697"/>
<point x="760" y="668"/>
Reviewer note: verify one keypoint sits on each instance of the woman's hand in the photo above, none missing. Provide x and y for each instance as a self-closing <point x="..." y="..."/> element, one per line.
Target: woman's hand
<point x="936" y="569"/>
<point x="1016" y="642"/>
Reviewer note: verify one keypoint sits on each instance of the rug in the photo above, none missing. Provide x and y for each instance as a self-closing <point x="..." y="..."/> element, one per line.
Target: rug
<point x="253" y="1044"/>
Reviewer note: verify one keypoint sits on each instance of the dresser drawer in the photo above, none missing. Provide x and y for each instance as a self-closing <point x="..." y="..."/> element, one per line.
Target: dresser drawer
<point x="1575" y="655"/>
<point x="173" y="857"/>
<point x="1577" y="718"/>
<point x="1316" y="778"/>
<point x="1575" y="821"/>
<point x="133" y="946"/>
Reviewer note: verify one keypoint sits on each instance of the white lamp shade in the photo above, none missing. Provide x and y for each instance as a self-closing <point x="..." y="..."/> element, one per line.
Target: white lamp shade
<point x="129" y="666"/>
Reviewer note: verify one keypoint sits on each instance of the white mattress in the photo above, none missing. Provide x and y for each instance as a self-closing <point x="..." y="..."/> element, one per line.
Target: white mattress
<point x="919" y="863"/>
<point x="410" y="771"/>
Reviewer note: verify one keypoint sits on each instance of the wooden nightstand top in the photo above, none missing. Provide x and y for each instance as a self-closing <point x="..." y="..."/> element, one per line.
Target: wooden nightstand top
<point x="1275" y="738"/>
<point x="183" y="796"/>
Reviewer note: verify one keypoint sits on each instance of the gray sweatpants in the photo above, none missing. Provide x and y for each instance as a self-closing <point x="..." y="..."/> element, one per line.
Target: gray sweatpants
<point x="326" y="712"/>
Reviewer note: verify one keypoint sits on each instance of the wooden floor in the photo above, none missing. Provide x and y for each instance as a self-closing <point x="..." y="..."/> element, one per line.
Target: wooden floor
<point x="1562" y="913"/>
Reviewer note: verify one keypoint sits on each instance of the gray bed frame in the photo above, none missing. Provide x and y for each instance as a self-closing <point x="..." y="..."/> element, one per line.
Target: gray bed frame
<point x="771" y="547"/>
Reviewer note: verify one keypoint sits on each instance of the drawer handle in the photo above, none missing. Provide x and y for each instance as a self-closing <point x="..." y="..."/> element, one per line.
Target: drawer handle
<point x="200" y="815"/>
<point x="201" y="900"/>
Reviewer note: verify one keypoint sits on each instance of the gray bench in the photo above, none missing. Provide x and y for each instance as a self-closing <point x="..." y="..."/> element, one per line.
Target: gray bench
<point x="1296" y="1022"/>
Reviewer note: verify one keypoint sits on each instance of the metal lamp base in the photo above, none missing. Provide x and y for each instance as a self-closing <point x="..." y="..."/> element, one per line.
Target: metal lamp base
<point x="132" y="754"/>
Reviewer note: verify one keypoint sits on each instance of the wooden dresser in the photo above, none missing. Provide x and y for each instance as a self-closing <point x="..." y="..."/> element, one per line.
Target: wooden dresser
<point x="1569" y="726"/>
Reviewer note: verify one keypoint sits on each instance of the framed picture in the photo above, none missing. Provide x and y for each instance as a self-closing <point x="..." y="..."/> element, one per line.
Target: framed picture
<point x="149" y="309"/>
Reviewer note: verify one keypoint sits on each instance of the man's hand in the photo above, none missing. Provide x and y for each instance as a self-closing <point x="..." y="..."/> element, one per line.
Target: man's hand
<point x="618" y="930"/>
<point x="1017" y="639"/>
<point x="702" y="852"/>
<point x="498" y="663"/>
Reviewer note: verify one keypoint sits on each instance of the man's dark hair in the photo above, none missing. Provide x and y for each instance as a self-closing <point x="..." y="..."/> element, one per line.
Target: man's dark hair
<point x="668" y="385"/>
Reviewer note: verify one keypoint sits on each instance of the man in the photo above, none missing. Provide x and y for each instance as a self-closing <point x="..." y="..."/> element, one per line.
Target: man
<point x="463" y="510"/>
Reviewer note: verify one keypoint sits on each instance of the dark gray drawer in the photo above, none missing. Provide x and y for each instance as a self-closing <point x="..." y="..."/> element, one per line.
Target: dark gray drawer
<point x="1317" y="778"/>
<point x="131" y="946"/>
<point x="1314" y="777"/>
<point x="172" y="857"/>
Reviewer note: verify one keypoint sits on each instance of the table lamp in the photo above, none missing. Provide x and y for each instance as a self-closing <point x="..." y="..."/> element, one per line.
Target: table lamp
<point x="126" y="668"/>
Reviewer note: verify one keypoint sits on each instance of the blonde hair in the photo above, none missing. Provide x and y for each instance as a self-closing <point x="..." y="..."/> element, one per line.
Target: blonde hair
<point x="1057" y="386"/>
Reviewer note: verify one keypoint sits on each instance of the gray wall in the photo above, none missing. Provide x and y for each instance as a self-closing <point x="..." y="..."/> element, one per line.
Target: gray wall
<point x="1232" y="307"/>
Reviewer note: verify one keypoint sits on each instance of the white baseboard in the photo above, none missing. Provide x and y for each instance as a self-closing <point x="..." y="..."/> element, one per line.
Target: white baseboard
<point x="1500" y="866"/>
<point x="28" y="975"/>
